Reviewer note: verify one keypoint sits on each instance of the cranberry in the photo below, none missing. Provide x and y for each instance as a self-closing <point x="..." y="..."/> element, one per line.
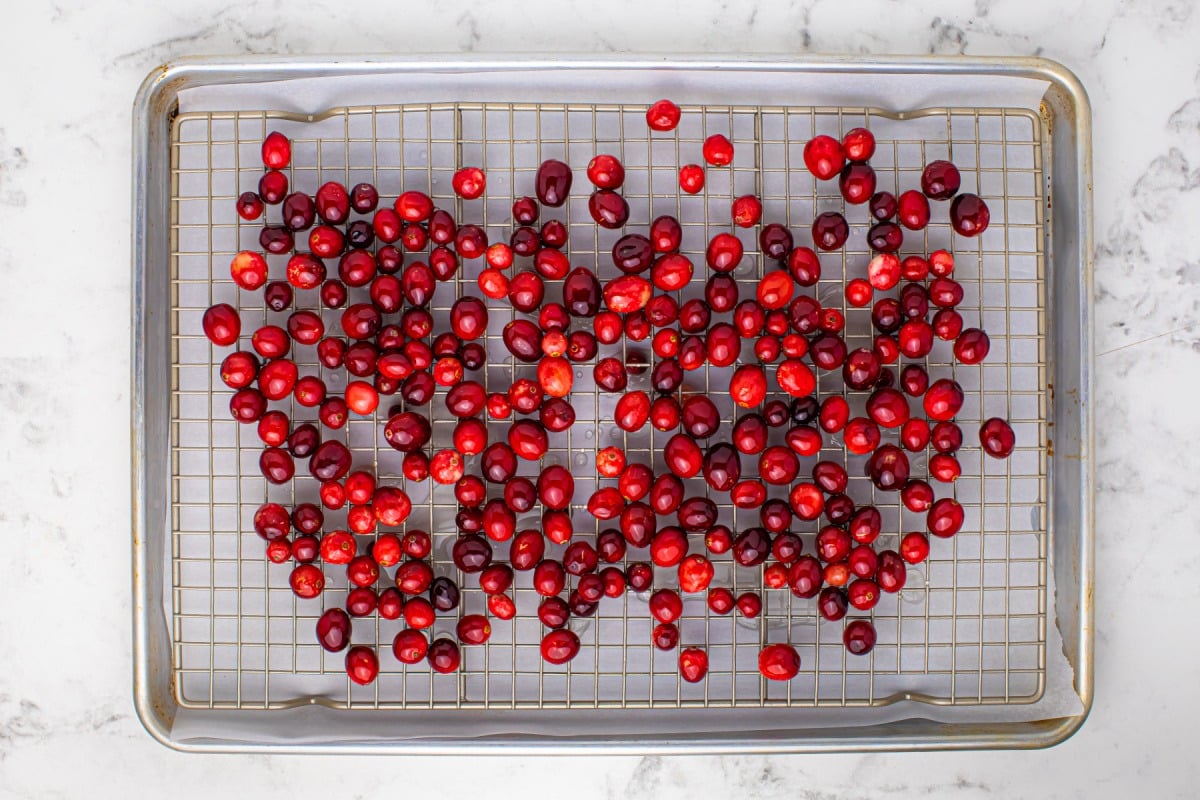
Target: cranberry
<point x="947" y="324"/>
<point x="997" y="438"/>
<point x="666" y="234"/>
<point x="866" y="525"/>
<point x="751" y="547"/>
<point x="665" y="605"/>
<point x="859" y="637"/>
<point x="913" y="210"/>
<point x="724" y="252"/>
<point x="272" y="187"/>
<point x="410" y="646"/>
<point x="473" y="629"/>
<point x="917" y="496"/>
<point x="746" y="211"/>
<point x="553" y="182"/>
<point x="472" y="553"/>
<point x="720" y="600"/>
<point x="306" y="580"/>
<point x="945" y="517"/>
<point x="663" y="115"/>
<point x="325" y="241"/>
<point x="668" y="546"/>
<point x="882" y="206"/>
<point x="444" y="656"/>
<point x="940" y="180"/>
<point x="863" y="594"/>
<point x="671" y="272"/>
<point x="722" y="467"/>
<point x="862" y="561"/>
<point x="553" y="612"/>
<point x="832" y="603"/>
<point x="972" y="346"/>
<point x="221" y="324"/>
<point x="857" y="183"/>
<point x="276" y="152"/>
<point x="665" y="636"/>
<point x="886" y="237"/>
<point x="748" y="386"/>
<point x="778" y="465"/>
<point x="858" y="144"/>
<point x="888" y="468"/>
<point x="691" y="178"/>
<point x="362" y="665"/>
<point x="693" y="664"/>
<point x="779" y="662"/>
<point x="943" y="399"/>
<point x="559" y="647"/>
<point x="718" y="150"/>
<point x="407" y="431"/>
<point x="914" y="547"/>
<point x="330" y="462"/>
<point x="830" y="231"/>
<point x="525" y="210"/>
<point x="249" y="206"/>
<point x="824" y="157"/>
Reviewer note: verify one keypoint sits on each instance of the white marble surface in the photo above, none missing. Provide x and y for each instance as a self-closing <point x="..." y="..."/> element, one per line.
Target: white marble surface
<point x="67" y="726"/>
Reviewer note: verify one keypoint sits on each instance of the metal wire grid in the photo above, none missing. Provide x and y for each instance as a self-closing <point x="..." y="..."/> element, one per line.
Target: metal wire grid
<point x="969" y="628"/>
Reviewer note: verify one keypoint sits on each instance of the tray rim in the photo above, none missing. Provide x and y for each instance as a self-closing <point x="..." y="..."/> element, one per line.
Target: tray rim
<point x="153" y="105"/>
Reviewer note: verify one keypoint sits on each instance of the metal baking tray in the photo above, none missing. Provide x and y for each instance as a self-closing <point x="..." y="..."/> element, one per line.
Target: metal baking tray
<point x="224" y="655"/>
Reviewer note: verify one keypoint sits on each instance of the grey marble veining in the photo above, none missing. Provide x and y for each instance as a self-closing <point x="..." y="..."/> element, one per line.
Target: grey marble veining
<point x="67" y="728"/>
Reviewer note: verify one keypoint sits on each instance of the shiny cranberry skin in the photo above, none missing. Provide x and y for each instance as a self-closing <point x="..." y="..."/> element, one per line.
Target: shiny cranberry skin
<point x="691" y="178"/>
<point x="749" y="318"/>
<point x="528" y="439"/>
<point x="832" y="603"/>
<point x="857" y="183"/>
<point x="885" y="237"/>
<point x="947" y="324"/>
<point x="556" y="415"/>
<point x="913" y="210"/>
<point x="997" y="438"/>
<point x="697" y="514"/>
<point x="724" y="252"/>
<point x="472" y="553"/>
<point x="972" y="346"/>
<point x="824" y="157"/>
<point x="559" y="647"/>
<point x="326" y="242"/>
<point x="828" y="351"/>
<point x="249" y="206"/>
<point x="945" y="292"/>
<point x="552" y="184"/>
<point x="553" y="612"/>
<point x="748" y="386"/>
<point x="888" y="408"/>
<point x="750" y="434"/>
<point x="946" y="437"/>
<point x="608" y="208"/>
<point x="779" y="662"/>
<point x="882" y="206"/>
<point x="273" y="187"/>
<point x="940" y="180"/>
<point x="304" y="440"/>
<point x="722" y="467"/>
<point x="700" y="416"/>
<point x="830" y="231"/>
<point x="330" y="462"/>
<point x="666" y="377"/>
<point x="665" y="636"/>
<point x="720" y="600"/>
<point x="553" y="234"/>
<point x="945" y="517"/>
<point x="858" y="144"/>
<point x="666" y="234"/>
<point x="668" y="547"/>
<point x="860" y="370"/>
<point x="778" y="465"/>
<point x="666" y="605"/>
<point x="663" y="115"/>
<point x="943" y="400"/>
<point x="407" y="431"/>
<point x="362" y="665"/>
<point x="525" y="211"/>
<point x="333" y="203"/>
<point x="633" y="253"/>
<point x="751" y="547"/>
<point x="718" y="150"/>
<point x="666" y="493"/>
<point x="888" y="468"/>
<point x="221" y="324"/>
<point x="863" y="594"/>
<point x="859" y="637"/>
<point x="444" y="656"/>
<point x="914" y="547"/>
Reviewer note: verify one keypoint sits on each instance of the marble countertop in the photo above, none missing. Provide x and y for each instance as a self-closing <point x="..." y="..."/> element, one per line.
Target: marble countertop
<point x="67" y="725"/>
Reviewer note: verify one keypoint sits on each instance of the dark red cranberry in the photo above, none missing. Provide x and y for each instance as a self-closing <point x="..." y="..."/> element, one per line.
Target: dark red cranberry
<point x="552" y="183"/>
<point x="940" y="180"/>
<point x="857" y="183"/>
<point x="249" y="206"/>
<point x="997" y="438"/>
<point x="859" y="637"/>
<point x="830" y="231"/>
<point x="330" y="462"/>
<point x="832" y="603"/>
<point x="272" y="187"/>
<point x="444" y="656"/>
<point x="775" y="241"/>
<point x="888" y="468"/>
<point x="972" y="346"/>
<point x="885" y="237"/>
<point x="608" y="208"/>
<point x="882" y="206"/>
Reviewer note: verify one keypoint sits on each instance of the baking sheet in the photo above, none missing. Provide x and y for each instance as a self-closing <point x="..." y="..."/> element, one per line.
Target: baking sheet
<point x="311" y="96"/>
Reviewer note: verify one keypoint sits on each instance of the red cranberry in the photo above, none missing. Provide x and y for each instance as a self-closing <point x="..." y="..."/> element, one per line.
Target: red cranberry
<point x="718" y="150"/>
<point x="858" y="144"/>
<point x="693" y="664"/>
<point x="362" y="665"/>
<point x="997" y="438"/>
<point x="779" y="662"/>
<point x="824" y="157"/>
<point x="885" y="237"/>
<point x="668" y="547"/>
<point x="888" y="468"/>
<point x="326" y="241"/>
<point x="863" y="594"/>
<point x="947" y="324"/>
<point x="444" y="656"/>
<point x="724" y="252"/>
<point x="914" y="547"/>
<point x="969" y="215"/>
<point x="746" y="211"/>
<point x="552" y="183"/>
<point x="859" y="637"/>
<point x="972" y="346"/>
<point x="832" y="603"/>
<point x="306" y="580"/>
<point x="666" y="234"/>
<point x="882" y="206"/>
<point x="720" y="600"/>
<point x="748" y="386"/>
<point x="663" y="115"/>
<point x="751" y="547"/>
<point x="857" y="183"/>
<point x="940" y="180"/>
<point x="722" y="467"/>
<point x="276" y="151"/>
<point x="913" y="210"/>
<point x="272" y="187"/>
<point x="559" y="647"/>
<point x="665" y="636"/>
<point x="830" y="231"/>
<point x="945" y="517"/>
<point x="221" y="324"/>
<point x="249" y="206"/>
<point x="943" y="399"/>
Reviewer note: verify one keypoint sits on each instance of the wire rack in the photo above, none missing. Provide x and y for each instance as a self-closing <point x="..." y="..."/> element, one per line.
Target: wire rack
<point x="968" y="629"/>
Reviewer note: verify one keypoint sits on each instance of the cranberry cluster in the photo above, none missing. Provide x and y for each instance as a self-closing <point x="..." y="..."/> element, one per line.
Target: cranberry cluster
<point x="389" y="345"/>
